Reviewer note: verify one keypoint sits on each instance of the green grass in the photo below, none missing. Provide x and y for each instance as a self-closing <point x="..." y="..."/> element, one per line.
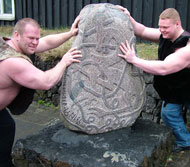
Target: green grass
<point x="6" y="31"/>
<point x="147" y="51"/>
<point x="144" y="50"/>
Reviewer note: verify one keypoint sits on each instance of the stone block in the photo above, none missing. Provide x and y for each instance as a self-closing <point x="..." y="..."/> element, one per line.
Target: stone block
<point x="103" y="92"/>
<point x="145" y="144"/>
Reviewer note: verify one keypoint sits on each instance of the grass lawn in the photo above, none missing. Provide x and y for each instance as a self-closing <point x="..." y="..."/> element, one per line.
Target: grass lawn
<point x="147" y="50"/>
<point x="144" y="50"/>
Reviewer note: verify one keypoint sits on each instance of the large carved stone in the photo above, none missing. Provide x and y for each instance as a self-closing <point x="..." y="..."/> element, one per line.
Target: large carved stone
<point x="103" y="92"/>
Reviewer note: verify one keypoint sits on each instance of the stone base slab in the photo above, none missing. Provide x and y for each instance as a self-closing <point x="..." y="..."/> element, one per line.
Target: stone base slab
<point x="144" y="144"/>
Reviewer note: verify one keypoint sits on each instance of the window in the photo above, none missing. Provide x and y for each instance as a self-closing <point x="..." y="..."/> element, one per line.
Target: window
<point x="7" y="10"/>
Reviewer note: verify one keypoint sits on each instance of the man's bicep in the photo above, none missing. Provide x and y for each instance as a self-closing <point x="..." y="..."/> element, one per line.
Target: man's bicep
<point x="45" y="43"/>
<point x="151" y="34"/>
<point x="41" y="46"/>
<point x="24" y="73"/>
<point x="177" y="61"/>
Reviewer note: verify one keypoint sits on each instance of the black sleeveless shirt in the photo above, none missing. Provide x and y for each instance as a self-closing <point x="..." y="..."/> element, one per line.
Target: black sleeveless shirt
<point x="173" y="88"/>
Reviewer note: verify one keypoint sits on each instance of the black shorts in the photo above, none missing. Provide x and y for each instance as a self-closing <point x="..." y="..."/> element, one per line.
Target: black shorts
<point x="7" y="134"/>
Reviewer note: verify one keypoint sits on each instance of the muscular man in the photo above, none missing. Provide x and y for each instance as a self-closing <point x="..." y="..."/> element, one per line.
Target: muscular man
<point x="17" y="71"/>
<point x="171" y="72"/>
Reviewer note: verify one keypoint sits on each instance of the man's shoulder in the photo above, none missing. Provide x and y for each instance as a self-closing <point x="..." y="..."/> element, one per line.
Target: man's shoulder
<point x="186" y="33"/>
<point x="7" y="52"/>
<point x="3" y="44"/>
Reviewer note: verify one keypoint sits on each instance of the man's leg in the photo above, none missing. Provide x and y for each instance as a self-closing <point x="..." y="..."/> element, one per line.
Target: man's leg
<point x="7" y="134"/>
<point x="172" y="116"/>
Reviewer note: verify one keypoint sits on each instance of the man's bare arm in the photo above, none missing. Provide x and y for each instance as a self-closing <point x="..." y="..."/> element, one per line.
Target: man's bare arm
<point x="173" y="63"/>
<point x="54" y="40"/>
<point x="146" y="33"/>
<point x="25" y="74"/>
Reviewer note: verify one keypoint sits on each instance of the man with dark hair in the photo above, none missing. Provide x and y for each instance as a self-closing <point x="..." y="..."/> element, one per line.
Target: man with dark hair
<point x="171" y="72"/>
<point x="17" y="71"/>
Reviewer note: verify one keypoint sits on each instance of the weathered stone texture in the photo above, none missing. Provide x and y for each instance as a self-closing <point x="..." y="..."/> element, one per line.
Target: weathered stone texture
<point x="145" y="144"/>
<point x="103" y="92"/>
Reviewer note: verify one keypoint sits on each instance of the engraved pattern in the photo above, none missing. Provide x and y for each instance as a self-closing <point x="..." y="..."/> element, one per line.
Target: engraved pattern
<point x="103" y="92"/>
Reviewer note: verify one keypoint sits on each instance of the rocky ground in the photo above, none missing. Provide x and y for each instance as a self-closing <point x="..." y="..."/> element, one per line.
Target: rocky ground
<point x="181" y="159"/>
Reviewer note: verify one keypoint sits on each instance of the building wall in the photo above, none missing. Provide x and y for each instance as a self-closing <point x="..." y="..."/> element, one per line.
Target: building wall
<point x="61" y="13"/>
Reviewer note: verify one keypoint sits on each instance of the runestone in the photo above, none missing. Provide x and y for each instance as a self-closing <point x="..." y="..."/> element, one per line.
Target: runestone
<point x="103" y="92"/>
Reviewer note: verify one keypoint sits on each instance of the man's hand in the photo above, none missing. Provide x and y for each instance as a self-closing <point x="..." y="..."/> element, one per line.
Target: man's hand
<point x="71" y="57"/>
<point x="128" y="52"/>
<point x="124" y="10"/>
<point x="74" y="27"/>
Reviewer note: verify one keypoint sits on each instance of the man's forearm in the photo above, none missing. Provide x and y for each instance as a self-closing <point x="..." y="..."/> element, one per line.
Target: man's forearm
<point x="138" y="27"/>
<point x="146" y="33"/>
<point x="54" y="75"/>
<point x="154" y="67"/>
<point x="55" y="40"/>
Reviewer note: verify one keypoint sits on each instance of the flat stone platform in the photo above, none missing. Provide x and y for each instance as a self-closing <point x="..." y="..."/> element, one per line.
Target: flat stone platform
<point x="144" y="144"/>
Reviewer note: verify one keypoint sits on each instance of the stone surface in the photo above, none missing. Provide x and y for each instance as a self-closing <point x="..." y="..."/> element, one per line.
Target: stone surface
<point x="151" y="109"/>
<point x="103" y="92"/>
<point x="144" y="144"/>
<point x="37" y="117"/>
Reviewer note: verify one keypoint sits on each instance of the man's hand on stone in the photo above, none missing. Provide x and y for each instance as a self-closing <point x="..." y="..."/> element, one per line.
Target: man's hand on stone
<point x="71" y="56"/>
<point x="128" y="52"/>
<point x="124" y="10"/>
<point x="74" y="27"/>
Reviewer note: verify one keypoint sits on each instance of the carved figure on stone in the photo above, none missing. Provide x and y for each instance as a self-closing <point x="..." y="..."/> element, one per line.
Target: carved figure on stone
<point x="103" y="92"/>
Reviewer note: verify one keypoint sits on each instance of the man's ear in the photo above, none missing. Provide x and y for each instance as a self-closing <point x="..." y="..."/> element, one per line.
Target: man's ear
<point x="178" y="23"/>
<point x="16" y="35"/>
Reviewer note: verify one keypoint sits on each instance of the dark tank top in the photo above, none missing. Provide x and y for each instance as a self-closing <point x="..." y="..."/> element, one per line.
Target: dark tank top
<point x="173" y="88"/>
